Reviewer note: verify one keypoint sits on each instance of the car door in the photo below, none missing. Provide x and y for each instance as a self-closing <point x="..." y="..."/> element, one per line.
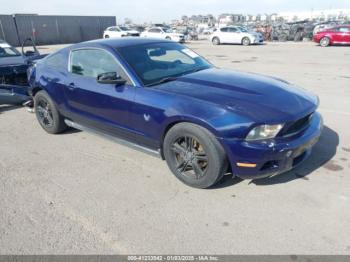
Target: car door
<point x="154" y="32"/>
<point x="343" y="35"/>
<point x="224" y="35"/>
<point x="102" y="106"/>
<point x="233" y="35"/>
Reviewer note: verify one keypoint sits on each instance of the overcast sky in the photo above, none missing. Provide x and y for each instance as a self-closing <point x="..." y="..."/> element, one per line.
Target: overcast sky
<point x="162" y="10"/>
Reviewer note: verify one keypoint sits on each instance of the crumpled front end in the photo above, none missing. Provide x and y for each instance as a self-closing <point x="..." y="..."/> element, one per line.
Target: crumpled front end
<point x="13" y="84"/>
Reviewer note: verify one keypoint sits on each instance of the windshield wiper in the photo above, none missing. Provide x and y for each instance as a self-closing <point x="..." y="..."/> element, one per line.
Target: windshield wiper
<point x="163" y="80"/>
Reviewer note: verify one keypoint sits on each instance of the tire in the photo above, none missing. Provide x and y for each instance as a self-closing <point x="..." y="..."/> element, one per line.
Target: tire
<point x="215" y="41"/>
<point x="47" y="114"/>
<point x="106" y="36"/>
<point x="245" y="41"/>
<point x="168" y="38"/>
<point x="200" y="165"/>
<point x="325" y="41"/>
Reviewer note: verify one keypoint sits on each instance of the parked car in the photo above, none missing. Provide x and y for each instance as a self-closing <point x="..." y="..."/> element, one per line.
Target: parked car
<point x="332" y="36"/>
<point x="208" y="31"/>
<point x="119" y="31"/>
<point x="190" y="33"/>
<point x="13" y="73"/>
<point x="163" y="33"/>
<point x="139" y="29"/>
<point x="160" y="97"/>
<point x="235" y="35"/>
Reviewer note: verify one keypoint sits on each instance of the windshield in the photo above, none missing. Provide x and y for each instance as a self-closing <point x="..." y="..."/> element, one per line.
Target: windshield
<point x="167" y="30"/>
<point x="154" y="63"/>
<point x="8" y="51"/>
<point x="244" y="30"/>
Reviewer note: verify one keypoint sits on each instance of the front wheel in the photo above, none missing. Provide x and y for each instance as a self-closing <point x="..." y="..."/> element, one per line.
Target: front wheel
<point x="47" y="114"/>
<point x="194" y="155"/>
<point x="106" y="36"/>
<point x="324" y="41"/>
<point x="215" y="41"/>
<point x="245" y="41"/>
<point x="168" y="38"/>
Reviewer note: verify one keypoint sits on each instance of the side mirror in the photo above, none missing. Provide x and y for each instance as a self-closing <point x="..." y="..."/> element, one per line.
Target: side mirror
<point x="111" y="78"/>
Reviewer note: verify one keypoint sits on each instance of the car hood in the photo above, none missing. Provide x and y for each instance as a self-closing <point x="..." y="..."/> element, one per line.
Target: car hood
<point x="15" y="60"/>
<point x="260" y="98"/>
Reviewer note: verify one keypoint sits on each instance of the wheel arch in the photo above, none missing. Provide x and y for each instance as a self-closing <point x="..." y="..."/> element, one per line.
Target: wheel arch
<point x="327" y="36"/>
<point x="177" y="120"/>
<point x="35" y="90"/>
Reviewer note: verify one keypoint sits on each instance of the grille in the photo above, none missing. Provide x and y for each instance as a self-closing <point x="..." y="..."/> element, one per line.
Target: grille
<point x="296" y="126"/>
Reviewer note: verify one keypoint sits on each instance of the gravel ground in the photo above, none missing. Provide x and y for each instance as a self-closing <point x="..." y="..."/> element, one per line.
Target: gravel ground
<point x="76" y="193"/>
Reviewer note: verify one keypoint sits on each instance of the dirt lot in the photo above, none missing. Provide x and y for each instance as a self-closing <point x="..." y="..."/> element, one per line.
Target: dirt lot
<point x="78" y="193"/>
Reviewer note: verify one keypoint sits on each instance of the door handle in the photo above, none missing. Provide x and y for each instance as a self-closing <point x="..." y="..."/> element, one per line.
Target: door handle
<point x="71" y="86"/>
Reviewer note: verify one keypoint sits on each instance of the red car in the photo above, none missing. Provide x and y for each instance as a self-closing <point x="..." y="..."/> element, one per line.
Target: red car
<point x="336" y="35"/>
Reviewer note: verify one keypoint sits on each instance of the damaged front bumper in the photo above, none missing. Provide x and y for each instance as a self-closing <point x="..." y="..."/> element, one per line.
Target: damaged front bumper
<point x="13" y="94"/>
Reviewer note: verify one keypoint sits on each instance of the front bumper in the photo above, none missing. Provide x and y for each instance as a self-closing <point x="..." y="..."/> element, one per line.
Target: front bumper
<point x="13" y="94"/>
<point x="274" y="156"/>
<point x="259" y="40"/>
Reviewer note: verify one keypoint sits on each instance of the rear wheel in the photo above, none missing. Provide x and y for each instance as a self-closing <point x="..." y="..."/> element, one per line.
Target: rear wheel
<point x="194" y="155"/>
<point x="106" y="36"/>
<point x="324" y="41"/>
<point x="168" y="38"/>
<point x="215" y="41"/>
<point x="245" y="41"/>
<point x="47" y="114"/>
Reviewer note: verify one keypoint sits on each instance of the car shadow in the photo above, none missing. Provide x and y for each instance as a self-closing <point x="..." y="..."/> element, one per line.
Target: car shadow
<point x="323" y="151"/>
<point x="5" y="108"/>
<point x="70" y="130"/>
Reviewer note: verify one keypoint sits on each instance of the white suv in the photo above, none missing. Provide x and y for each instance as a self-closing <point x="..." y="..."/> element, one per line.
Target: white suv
<point x="119" y="31"/>
<point x="236" y="35"/>
<point x="165" y="33"/>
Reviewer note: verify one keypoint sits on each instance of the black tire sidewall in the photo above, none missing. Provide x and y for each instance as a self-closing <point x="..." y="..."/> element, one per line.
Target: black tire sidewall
<point x="58" y="122"/>
<point x="217" y="163"/>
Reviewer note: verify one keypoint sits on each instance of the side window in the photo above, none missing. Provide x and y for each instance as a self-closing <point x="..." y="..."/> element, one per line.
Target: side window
<point x="344" y="29"/>
<point x="232" y="30"/>
<point x="224" y="29"/>
<point x="56" y="61"/>
<point x="154" y="30"/>
<point x="92" y="62"/>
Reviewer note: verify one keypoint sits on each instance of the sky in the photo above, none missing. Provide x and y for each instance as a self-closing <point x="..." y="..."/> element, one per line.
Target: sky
<point x="163" y="10"/>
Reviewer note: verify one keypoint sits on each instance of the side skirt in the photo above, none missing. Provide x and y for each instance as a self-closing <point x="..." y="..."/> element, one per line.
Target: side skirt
<point x="120" y="141"/>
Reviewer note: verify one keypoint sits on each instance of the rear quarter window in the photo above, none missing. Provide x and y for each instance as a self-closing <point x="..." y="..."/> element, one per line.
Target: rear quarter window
<point x="56" y="61"/>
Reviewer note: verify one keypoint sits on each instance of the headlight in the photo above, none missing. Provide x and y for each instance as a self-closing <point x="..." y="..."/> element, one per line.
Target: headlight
<point x="264" y="132"/>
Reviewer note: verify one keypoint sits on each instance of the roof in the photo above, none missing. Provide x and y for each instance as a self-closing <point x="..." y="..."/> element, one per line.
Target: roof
<point x="122" y="42"/>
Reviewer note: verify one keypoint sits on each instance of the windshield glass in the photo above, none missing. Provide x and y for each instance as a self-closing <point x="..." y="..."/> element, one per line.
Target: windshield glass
<point x="8" y="51"/>
<point x="168" y="30"/>
<point x="154" y="63"/>
<point x="243" y="29"/>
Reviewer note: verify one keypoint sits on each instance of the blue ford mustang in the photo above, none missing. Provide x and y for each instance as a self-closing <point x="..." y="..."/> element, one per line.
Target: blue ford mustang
<point x="162" y="98"/>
